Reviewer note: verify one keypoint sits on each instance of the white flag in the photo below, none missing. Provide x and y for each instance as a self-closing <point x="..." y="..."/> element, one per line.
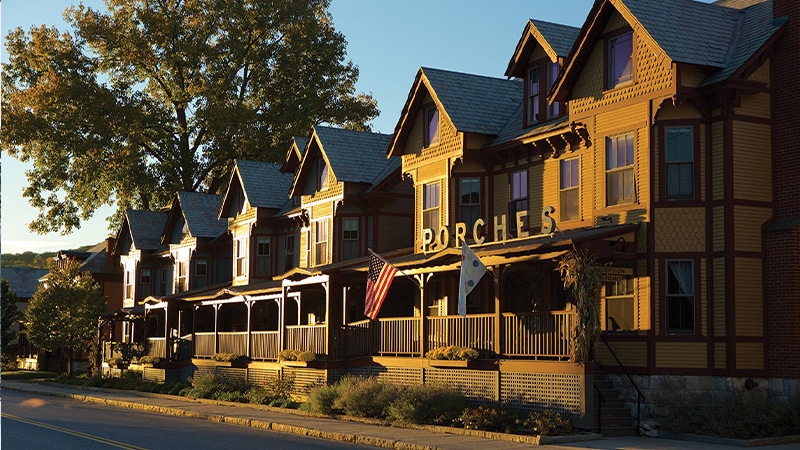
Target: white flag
<point x="472" y="269"/>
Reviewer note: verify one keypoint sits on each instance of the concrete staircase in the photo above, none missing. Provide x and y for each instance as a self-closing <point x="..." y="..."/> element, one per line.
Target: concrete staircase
<point x="615" y="418"/>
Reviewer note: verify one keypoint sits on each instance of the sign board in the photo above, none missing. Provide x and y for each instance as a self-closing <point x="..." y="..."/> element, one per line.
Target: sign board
<point x="608" y="273"/>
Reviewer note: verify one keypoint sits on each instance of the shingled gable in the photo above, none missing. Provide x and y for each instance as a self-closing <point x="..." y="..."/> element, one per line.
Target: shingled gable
<point x="294" y="155"/>
<point x="262" y="184"/>
<point x="143" y="228"/>
<point x="200" y="213"/>
<point x="472" y="103"/>
<point x="352" y="156"/>
<point x="676" y="29"/>
<point x="555" y="39"/>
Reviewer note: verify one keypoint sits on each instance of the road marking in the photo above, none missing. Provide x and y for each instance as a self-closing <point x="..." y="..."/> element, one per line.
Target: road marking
<point x="91" y="437"/>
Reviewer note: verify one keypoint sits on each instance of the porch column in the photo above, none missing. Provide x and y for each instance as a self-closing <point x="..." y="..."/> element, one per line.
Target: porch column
<point x="497" y="271"/>
<point x="249" y="304"/>
<point x="167" y="334"/>
<point x="326" y="286"/>
<point x="423" y="313"/>
<point x="216" y="328"/>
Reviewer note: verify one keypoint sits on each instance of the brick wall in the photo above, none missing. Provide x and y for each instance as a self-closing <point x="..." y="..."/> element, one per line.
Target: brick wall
<point x="782" y="239"/>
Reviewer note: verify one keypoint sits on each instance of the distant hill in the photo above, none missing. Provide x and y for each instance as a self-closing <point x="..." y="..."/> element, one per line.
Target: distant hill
<point x="31" y="259"/>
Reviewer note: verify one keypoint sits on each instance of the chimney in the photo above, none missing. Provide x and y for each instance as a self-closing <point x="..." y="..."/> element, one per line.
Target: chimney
<point x="781" y="244"/>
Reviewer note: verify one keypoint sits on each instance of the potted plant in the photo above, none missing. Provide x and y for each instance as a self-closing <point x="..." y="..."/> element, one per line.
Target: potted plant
<point x="116" y="363"/>
<point x="229" y="359"/>
<point x="453" y="356"/>
<point x="296" y="358"/>
<point x="149" y="361"/>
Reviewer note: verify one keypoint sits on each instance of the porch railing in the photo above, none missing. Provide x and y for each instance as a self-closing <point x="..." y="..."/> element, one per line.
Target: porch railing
<point x="307" y="338"/>
<point x="538" y="335"/>
<point x="398" y="336"/>
<point x="475" y="331"/>
<point x="351" y="341"/>
<point x="205" y="344"/>
<point x="233" y="342"/>
<point x="157" y="346"/>
<point x="265" y="345"/>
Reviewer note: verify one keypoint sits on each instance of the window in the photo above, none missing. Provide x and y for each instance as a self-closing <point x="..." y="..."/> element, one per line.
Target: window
<point x="129" y="275"/>
<point x="553" y="68"/>
<point x="322" y="172"/>
<point x="349" y="237"/>
<point x="241" y="257"/>
<point x="162" y="281"/>
<point x="470" y="201"/>
<point x="182" y="282"/>
<point x="680" y="297"/>
<point x="619" y="310"/>
<point x="144" y="283"/>
<point x="200" y="273"/>
<point x="679" y="142"/>
<point x="262" y="256"/>
<point x="430" y="206"/>
<point x="620" y="184"/>
<point x="321" y="242"/>
<point x="431" y="126"/>
<point x="620" y="59"/>
<point x="534" y="100"/>
<point x="518" y="201"/>
<point x="570" y="192"/>
<point x="288" y="254"/>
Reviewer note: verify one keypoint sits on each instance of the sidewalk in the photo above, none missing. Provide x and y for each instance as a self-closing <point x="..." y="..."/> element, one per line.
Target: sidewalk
<point x="373" y="434"/>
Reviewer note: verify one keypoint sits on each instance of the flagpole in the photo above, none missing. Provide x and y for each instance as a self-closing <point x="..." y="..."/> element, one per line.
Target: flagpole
<point x="399" y="270"/>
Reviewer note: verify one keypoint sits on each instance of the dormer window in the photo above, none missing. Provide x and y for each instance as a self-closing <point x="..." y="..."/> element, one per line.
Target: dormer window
<point x="534" y="100"/>
<point x="322" y="172"/>
<point x="431" y="126"/>
<point x="620" y="59"/>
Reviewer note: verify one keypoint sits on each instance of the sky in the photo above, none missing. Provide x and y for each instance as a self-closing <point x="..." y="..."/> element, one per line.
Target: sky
<point x="388" y="40"/>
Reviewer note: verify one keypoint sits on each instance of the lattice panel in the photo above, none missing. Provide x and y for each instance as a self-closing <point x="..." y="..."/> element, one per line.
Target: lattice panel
<point x="203" y="370"/>
<point x="305" y="379"/>
<point x="398" y="376"/>
<point x="153" y="375"/>
<point x="477" y="385"/>
<point x="235" y="374"/>
<point x="262" y="376"/>
<point x="537" y="392"/>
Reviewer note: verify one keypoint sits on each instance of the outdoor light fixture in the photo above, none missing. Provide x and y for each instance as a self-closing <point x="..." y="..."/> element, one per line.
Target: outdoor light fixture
<point x="624" y="248"/>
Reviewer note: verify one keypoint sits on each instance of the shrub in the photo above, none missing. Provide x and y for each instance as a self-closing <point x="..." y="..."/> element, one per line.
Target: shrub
<point x="115" y="362"/>
<point x="28" y="375"/>
<point x="453" y="352"/>
<point x="227" y="357"/>
<point x="296" y="355"/>
<point x="277" y="392"/>
<point x="306" y="357"/>
<point x="548" y="423"/>
<point x="321" y="399"/>
<point x="206" y="386"/>
<point x="147" y="359"/>
<point x="487" y="418"/>
<point x="365" y="397"/>
<point x="427" y="404"/>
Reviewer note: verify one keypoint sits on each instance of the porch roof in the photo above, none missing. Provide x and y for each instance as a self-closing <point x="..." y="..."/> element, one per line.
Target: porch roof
<point x="540" y="247"/>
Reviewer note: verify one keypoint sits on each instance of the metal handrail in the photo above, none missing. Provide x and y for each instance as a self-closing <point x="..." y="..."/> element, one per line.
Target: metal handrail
<point x="599" y="410"/>
<point x="640" y="397"/>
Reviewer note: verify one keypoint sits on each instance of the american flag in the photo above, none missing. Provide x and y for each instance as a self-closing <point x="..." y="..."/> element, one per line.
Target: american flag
<point x="379" y="278"/>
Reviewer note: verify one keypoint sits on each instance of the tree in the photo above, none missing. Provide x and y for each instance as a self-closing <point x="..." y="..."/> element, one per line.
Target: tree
<point x="8" y="326"/>
<point x="149" y="98"/>
<point x="580" y="273"/>
<point x="64" y="311"/>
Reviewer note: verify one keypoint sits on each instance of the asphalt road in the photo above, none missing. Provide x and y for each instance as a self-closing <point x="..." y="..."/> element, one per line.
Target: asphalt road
<point x="43" y="422"/>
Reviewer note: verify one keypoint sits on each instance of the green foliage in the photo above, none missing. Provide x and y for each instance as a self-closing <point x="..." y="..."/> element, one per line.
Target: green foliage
<point x="296" y="355"/>
<point x="9" y="314"/>
<point x="453" y="352"/>
<point x="737" y="415"/>
<point x="487" y="418"/>
<point x="209" y="386"/>
<point x="115" y="362"/>
<point x="27" y="259"/>
<point x="427" y="404"/>
<point x="28" y="375"/>
<point x="276" y="392"/>
<point x="321" y="399"/>
<point x="579" y="272"/>
<point x="149" y="359"/>
<point x="227" y="357"/>
<point x="63" y="312"/>
<point x="547" y="423"/>
<point x="148" y="98"/>
<point x="365" y="397"/>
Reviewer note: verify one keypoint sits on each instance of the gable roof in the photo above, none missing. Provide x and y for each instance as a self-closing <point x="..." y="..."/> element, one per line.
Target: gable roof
<point x="23" y="281"/>
<point x="680" y="28"/>
<point x="200" y="212"/>
<point x="295" y="154"/>
<point x="352" y="156"/>
<point x="263" y="183"/>
<point x="145" y="227"/>
<point x="473" y="103"/>
<point x="555" y="39"/>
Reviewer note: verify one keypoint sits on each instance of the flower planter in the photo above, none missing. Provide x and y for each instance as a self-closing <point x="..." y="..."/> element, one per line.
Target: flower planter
<point x="454" y="363"/>
<point x="236" y="364"/>
<point x="311" y="364"/>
